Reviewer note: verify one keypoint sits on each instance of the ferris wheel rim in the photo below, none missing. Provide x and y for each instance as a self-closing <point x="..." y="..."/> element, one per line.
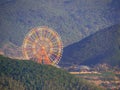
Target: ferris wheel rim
<point x="50" y="30"/>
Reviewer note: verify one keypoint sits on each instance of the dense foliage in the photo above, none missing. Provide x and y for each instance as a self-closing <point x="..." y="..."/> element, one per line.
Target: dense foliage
<point x="28" y="75"/>
<point x="7" y="83"/>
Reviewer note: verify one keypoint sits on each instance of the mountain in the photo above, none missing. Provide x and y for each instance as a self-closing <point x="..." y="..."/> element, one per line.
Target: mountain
<point x="72" y="19"/>
<point x="100" y="47"/>
<point x="28" y="75"/>
<point x="11" y="50"/>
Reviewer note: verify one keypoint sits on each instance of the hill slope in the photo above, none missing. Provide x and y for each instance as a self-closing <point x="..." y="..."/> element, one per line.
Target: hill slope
<point x="101" y="47"/>
<point x="28" y="75"/>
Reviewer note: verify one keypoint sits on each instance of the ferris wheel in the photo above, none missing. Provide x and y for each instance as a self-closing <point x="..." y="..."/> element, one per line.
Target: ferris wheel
<point x="43" y="45"/>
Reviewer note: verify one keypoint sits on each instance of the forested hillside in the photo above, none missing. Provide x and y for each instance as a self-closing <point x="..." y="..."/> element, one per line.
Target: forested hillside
<point x="28" y="75"/>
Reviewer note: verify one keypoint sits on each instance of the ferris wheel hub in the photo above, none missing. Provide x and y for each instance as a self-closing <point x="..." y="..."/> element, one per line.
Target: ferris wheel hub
<point x="43" y="47"/>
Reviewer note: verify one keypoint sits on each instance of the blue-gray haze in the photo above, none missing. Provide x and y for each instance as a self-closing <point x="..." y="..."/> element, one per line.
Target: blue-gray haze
<point x="72" y="19"/>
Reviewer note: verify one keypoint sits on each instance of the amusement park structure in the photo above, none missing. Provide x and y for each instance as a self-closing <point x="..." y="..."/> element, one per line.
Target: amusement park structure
<point x="43" y="45"/>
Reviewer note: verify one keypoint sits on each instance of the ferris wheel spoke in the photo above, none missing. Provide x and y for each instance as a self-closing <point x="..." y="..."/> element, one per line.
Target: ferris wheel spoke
<point x="40" y="33"/>
<point x="54" y="51"/>
<point x="55" y="42"/>
<point x="52" y="38"/>
<point x="29" y="42"/>
<point x="56" y="54"/>
<point x="28" y="48"/>
<point x="58" y="46"/>
<point x="54" y="48"/>
<point x="29" y="55"/>
<point x="26" y="41"/>
<point x="39" y="44"/>
<point x="37" y="35"/>
<point x="29" y="39"/>
<point x="54" y="57"/>
<point x="29" y="45"/>
<point x="49" y="35"/>
<point x="33" y="38"/>
<point x="44" y="33"/>
<point x="55" y="45"/>
<point x="51" y="59"/>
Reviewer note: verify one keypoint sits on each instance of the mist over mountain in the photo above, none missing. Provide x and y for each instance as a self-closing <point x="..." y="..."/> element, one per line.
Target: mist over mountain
<point x="72" y="19"/>
<point x="101" y="47"/>
<point x="12" y="51"/>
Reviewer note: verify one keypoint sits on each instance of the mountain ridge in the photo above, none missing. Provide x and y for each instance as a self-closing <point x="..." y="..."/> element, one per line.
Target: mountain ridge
<point x="95" y="48"/>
